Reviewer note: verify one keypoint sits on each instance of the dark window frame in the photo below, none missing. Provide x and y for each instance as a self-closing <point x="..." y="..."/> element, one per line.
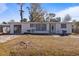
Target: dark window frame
<point x="63" y="25"/>
<point x="32" y="25"/>
<point x="41" y="27"/>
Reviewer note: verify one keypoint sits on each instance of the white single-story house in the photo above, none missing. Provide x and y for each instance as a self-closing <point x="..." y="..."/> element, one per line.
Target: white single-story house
<point x="38" y="27"/>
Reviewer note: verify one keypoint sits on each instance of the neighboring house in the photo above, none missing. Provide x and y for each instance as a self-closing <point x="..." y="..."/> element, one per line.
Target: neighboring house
<point x="40" y="27"/>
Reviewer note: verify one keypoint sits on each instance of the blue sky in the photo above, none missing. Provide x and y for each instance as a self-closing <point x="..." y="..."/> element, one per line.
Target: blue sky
<point x="10" y="11"/>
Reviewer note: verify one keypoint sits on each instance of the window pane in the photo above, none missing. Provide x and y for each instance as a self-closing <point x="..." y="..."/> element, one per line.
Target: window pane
<point x="63" y="25"/>
<point x="40" y="27"/>
<point x="32" y="25"/>
<point x="43" y="27"/>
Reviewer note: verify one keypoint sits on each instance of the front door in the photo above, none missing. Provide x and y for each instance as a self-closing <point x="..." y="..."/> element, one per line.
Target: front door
<point x="51" y="28"/>
<point x="17" y="29"/>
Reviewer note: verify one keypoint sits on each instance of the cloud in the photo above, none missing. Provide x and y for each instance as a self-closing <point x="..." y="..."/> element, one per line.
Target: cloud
<point x="3" y="7"/>
<point x="73" y="11"/>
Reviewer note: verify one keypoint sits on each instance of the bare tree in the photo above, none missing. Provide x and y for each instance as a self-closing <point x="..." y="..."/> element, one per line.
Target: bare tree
<point x="51" y="17"/>
<point x="36" y="12"/>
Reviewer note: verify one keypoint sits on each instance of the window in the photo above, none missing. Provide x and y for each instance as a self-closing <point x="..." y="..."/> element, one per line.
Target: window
<point x="63" y="25"/>
<point x="43" y="27"/>
<point x="32" y="25"/>
<point x="40" y="27"/>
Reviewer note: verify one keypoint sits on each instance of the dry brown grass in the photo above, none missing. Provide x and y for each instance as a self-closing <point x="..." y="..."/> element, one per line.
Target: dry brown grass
<point x="41" y="45"/>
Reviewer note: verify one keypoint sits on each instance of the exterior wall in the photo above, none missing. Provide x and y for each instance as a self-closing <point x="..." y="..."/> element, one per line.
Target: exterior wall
<point x="54" y="28"/>
<point x="47" y="28"/>
<point x="68" y="28"/>
<point x="58" y="31"/>
<point x="57" y="28"/>
<point x="25" y="27"/>
<point x="11" y="29"/>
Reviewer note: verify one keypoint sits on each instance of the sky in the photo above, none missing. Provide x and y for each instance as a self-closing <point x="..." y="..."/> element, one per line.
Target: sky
<point x="10" y="11"/>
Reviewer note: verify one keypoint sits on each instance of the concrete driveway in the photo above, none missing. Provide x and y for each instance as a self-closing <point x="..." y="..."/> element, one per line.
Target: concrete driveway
<point x="4" y="38"/>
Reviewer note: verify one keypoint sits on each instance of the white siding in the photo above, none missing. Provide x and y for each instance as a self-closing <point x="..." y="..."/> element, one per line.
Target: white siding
<point x="57" y="28"/>
<point x="47" y="27"/>
<point x="25" y="27"/>
<point x="68" y="28"/>
<point x="11" y="29"/>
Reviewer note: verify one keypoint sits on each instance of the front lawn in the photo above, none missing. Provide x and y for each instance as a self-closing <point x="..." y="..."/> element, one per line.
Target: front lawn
<point x="40" y="45"/>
